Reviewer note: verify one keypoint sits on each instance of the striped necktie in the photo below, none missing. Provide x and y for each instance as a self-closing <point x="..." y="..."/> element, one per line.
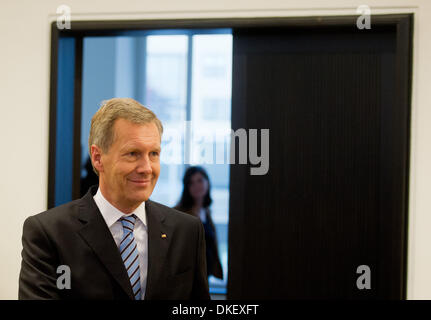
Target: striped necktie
<point x="129" y="254"/>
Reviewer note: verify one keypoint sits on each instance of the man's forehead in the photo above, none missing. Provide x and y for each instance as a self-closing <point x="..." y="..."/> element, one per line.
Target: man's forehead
<point x="132" y="144"/>
<point x="139" y="141"/>
<point x="127" y="129"/>
<point x="127" y="123"/>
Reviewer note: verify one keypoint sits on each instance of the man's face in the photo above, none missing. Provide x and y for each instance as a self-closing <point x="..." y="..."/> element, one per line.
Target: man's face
<point x="131" y="167"/>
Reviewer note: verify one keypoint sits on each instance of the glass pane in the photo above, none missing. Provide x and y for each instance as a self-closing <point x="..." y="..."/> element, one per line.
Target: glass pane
<point x="153" y="69"/>
<point x="166" y="95"/>
<point x="211" y="123"/>
<point x="98" y="84"/>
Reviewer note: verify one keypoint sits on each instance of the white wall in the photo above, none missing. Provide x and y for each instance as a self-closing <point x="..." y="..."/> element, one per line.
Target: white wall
<point x="24" y="92"/>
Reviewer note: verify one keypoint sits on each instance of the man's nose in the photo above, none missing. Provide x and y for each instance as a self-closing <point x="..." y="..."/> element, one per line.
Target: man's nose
<point x="144" y="165"/>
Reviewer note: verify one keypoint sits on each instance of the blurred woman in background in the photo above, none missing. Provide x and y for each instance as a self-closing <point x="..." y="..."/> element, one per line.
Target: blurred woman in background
<point x="196" y="200"/>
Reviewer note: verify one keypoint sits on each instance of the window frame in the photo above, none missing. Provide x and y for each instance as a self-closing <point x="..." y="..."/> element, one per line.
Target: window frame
<point x="80" y="29"/>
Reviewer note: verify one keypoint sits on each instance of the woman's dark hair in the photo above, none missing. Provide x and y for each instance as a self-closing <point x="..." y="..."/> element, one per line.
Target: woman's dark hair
<point x="186" y="201"/>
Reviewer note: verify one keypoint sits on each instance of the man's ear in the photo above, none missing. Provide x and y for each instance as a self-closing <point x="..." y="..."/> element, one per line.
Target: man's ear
<point x="96" y="157"/>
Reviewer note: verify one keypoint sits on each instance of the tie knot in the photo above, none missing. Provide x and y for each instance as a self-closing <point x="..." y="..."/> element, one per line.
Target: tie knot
<point x="128" y="221"/>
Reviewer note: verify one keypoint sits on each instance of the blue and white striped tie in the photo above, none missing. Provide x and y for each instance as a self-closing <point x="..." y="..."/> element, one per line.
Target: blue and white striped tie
<point x="129" y="254"/>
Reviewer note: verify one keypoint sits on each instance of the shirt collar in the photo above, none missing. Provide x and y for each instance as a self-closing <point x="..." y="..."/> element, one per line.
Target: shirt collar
<point x="111" y="214"/>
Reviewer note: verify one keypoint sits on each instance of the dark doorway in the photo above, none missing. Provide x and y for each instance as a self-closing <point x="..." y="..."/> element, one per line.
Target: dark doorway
<point x="336" y="102"/>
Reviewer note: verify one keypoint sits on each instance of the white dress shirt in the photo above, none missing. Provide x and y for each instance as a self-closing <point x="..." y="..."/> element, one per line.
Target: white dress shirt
<point x="140" y="232"/>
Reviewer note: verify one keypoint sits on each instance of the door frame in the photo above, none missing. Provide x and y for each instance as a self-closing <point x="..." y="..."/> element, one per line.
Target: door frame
<point x="403" y="24"/>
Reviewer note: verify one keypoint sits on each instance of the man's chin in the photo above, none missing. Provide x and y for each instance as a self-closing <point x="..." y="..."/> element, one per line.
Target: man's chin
<point x="139" y="196"/>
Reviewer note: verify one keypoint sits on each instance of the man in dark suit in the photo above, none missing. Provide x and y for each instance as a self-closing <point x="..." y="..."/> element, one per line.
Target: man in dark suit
<point x="116" y="242"/>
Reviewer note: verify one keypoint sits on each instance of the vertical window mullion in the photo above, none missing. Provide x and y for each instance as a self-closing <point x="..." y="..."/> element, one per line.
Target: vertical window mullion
<point x="141" y="74"/>
<point x="187" y="138"/>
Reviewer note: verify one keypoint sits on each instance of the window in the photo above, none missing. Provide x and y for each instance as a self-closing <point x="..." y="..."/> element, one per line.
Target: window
<point x="185" y="78"/>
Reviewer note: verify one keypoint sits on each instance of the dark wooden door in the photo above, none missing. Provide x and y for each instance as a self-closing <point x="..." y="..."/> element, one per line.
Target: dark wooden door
<point x="335" y="197"/>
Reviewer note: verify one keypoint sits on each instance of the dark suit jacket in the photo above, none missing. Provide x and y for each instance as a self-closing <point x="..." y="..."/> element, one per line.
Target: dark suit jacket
<point x="75" y="234"/>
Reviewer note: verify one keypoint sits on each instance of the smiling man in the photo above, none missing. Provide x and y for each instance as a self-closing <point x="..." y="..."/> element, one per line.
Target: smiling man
<point x="114" y="242"/>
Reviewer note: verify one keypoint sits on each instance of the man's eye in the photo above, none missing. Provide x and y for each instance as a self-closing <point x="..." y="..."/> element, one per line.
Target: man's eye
<point x="154" y="153"/>
<point x="132" y="154"/>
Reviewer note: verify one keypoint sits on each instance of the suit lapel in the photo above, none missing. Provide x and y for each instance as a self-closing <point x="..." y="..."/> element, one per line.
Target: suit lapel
<point x="97" y="235"/>
<point x="159" y="238"/>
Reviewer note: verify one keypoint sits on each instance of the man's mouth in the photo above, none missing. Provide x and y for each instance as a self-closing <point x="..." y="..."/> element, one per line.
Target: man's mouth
<point x="140" y="182"/>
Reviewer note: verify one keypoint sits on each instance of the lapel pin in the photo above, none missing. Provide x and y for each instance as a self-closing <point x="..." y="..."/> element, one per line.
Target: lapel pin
<point x="164" y="236"/>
